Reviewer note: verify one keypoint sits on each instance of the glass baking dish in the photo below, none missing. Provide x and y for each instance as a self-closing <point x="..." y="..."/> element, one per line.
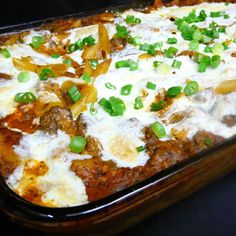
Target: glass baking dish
<point x="127" y="207"/>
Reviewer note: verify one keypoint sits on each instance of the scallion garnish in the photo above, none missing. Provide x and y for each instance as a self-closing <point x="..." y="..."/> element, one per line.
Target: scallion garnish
<point x="93" y="63"/>
<point x="170" y="52"/>
<point x="140" y="148"/>
<point x="71" y="48"/>
<point x="194" y="45"/>
<point x="121" y="32"/>
<point x="215" y="61"/>
<point x="208" y="141"/>
<point x="215" y="14"/>
<point x="86" y="78"/>
<point x="23" y="77"/>
<point x="191" y="88"/>
<point x="55" y="55"/>
<point x="158" y="129"/>
<point x="114" y="106"/>
<point x="208" y="49"/>
<point x="5" y="52"/>
<point x="126" y="90"/>
<point x="138" y="103"/>
<point x="37" y="41"/>
<point x="226" y="16"/>
<point x="77" y="144"/>
<point x="157" y="106"/>
<point x="26" y="97"/>
<point x="110" y="86"/>
<point x="176" y="64"/>
<point x="217" y="48"/>
<point x="157" y="63"/>
<point x="74" y="93"/>
<point x="89" y="40"/>
<point x="132" y="20"/>
<point x="151" y="48"/>
<point x="151" y="85"/>
<point x="67" y="62"/>
<point x="172" y="40"/>
<point x="46" y="73"/>
<point x="93" y="111"/>
<point x="132" y="65"/>
<point x="173" y="91"/>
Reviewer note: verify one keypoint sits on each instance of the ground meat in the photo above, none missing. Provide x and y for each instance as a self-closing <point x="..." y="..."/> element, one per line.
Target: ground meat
<point x="103" y="178"/>
<point x="93" y="147"/>
<point x="58" y="118"/>
<point x="117" y="44"/>
<point x="81" y="125"/>
<point x="229" y="120"/>
<point x="164" y="153"/>
<point x="203" y="139"/>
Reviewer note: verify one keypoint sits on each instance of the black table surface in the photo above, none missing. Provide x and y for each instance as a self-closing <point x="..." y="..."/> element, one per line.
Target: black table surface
<point x="210" y="211"/>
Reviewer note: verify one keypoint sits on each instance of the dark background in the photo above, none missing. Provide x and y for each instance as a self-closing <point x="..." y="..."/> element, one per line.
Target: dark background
<point x="210" y="211"/>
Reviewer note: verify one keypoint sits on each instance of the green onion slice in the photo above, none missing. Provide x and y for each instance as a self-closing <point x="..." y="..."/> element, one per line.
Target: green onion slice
<point x="45" y="74"/>
<point x="55" y="55"/>
<point x="173" y="91"/>
<point x="93" y="111"/>
<point x="151" y="85"/>
<point x="191" y="88"/>
<point x="176" y="64"/>
<point x="158" y="129"/>
<point x="132" y="65"/>
<point x="172" y="40"/>
<point x="126" y="90"/>
<point x="130" y="19"/>
<point x="37" y="41"/>
<point x="77" y="144"/>
<point x="110" y="86"/>
<point x="140" y="148"/>
<point x="5" y="52"/>
<point x="74" y="93"/>
<point x="23" y="77"/>
<point x="138" y="103"/>
<point x="86" y="78"/>
<point x="26" y="97"/>
<point x="157" y="106"/>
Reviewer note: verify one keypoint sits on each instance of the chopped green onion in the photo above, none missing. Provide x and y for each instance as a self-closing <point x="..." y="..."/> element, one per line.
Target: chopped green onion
<point x="93" y="111"/>
<point x="234" y="41"/>
<point x="134" y="40"/>
<point x="156" y="63"/>
<point x="77" y="144"/>
<point x="89" y="40"/>
<point x="110" y="86"/>
<point x="121" y="32"/>
<point x="140" y="148"/>
<point x="221" y="29"/>
<point x="208" y="141"/>
<point x="79" y="45"/>
<point x="191" y="88"/>
<point x="138" y="103"/>
<point x="176" y="64"/>
<point x="151" y="85"/>
<point x="126" y="90"/>
<point x="163" y="69"/>
<point x="158" y="129"/>
<point x="157" y="106"/>
<point x="215" y="14"/>
<point x="172" y="40"/>
<point x="26" y="97"/>
<point x="23" y="77"/>
<point x="5" y="52"/>
<point x="37" y="41"/>
<point x="192" y="17"/>
<point x="217" y="49"/>
<point x="67" y="62"/>
<point x="114" y="106"/>
<point x="55" y="55"/>
<point x="132" y="65"/>
<point x="197" y="35"/>
<point x="225" y="45"/>
<point x="208" y="49"/>
<point x="86" y="78"/>
<point x="173" y="91"/>
<point x="202" y="67"/>
<point x="215" y="61"/>
<point x="170" y="52"/>
<point x="71" y="48"/>
<point x="74" y="93"/>
<point x="46" y="73"/>
<point x="226" y="16"/>
<point x="194" y="45"/>
<point x="132" y="20"/>
<point x="93" y="63"/>
<point x="151" y="48"/>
